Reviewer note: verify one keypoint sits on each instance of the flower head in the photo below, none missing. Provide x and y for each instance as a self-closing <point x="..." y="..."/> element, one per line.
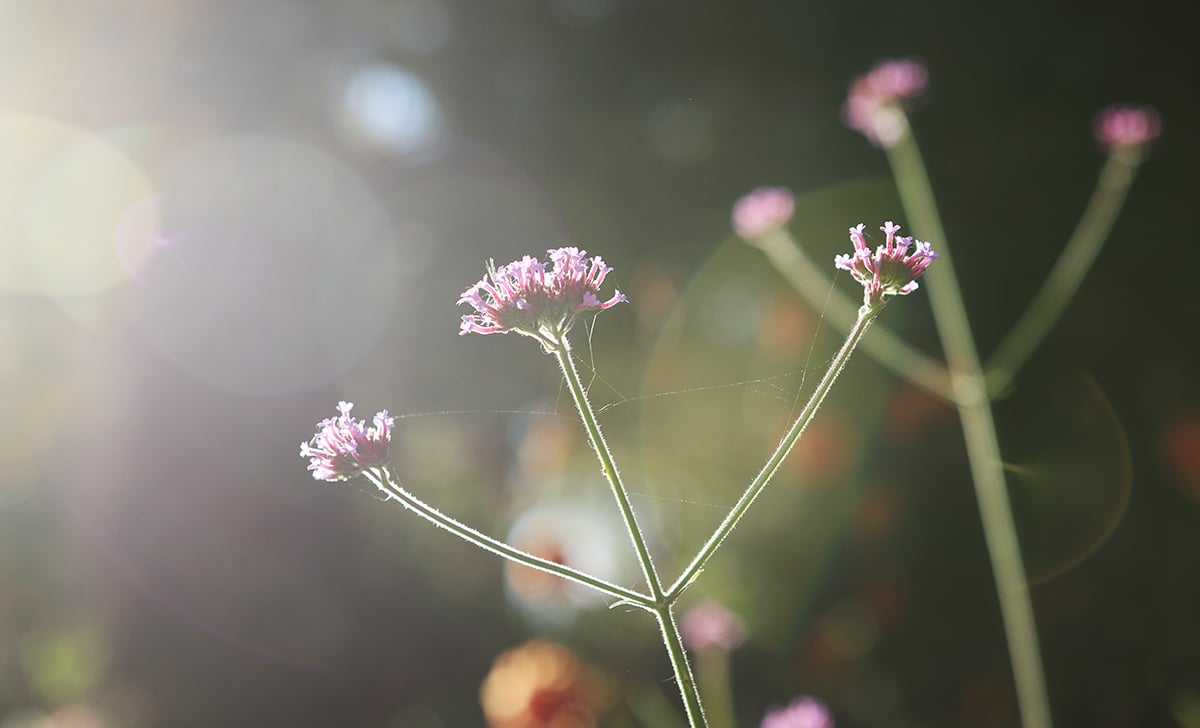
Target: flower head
<point x="803" y="712"/>
<point x="874" y="105"/>
<point x="761" y="211"/>
<point x="343" y="447"/>
<point x="709" y="624"/>
<point x="1122" y="127"/>
<point x="891" y="270"/>
<point x="526" y="298"/>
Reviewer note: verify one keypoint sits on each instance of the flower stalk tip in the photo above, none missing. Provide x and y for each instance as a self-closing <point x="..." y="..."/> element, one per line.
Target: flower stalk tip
<point x="1124" y="128"/>
<point x="888" y="271"/>
<point x="536" y="299"/>
<point x="875" y="103"/>
<point x="761" y="211"/>
<point x="343" y="447"/>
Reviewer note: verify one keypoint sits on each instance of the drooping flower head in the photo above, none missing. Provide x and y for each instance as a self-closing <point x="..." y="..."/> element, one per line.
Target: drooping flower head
<point x="525" y="297"/>
<point x="875" y="103"/>
<point x="803" y="712"/>
<point x="709" y="624"/>
<point x="761" y="211"/>
<point x="343" y="447"/>
<point x="891" y="270"/>
<point x="1119" y="128"/>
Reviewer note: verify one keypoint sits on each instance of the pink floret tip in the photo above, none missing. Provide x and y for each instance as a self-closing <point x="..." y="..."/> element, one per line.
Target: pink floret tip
<point x="1122" y="127"/>
<point x="874" y="105"/>
<point x="803" y="712"/>
<point x="343" y="447"/>
<point x="527" y="298"/>
<point x="891" y="270"/>
<point x="763" y="210"/>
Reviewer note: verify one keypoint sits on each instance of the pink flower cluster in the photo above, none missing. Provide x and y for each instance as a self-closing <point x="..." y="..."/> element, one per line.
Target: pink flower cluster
<point x="343" y="447"/>
<point x="803" y="712"/>
<point x="875" y="101"/>
<point x="761" y="211"/>
<point x="525" y="297"/>
<point x="1122" y="127"/>
<point x="890" y="270"/>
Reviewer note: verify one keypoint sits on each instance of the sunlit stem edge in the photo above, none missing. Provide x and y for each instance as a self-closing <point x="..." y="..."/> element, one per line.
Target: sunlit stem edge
<point x="662" y="606"/>
<point x="384" y="479"/>
<point x="1064" y="278"/>
<point x="865" y="317"/>
<point x="790" y="260"/>
<point x="979" y="431"/>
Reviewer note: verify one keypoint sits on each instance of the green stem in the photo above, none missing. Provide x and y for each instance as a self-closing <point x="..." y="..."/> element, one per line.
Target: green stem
<point x="979" y="431"/>
<point x="662" y="605"/>
<point x="385" y="480"/>
<point x="885" y="347"/>
<point x="865" y="317"/>
<point x="1068" y="272"/>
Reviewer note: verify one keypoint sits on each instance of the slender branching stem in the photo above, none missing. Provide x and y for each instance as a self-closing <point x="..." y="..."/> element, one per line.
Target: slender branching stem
<point x="385" y="480"/>
<point x="662" y="607"/>
<point x="809" y="280"/>
<point x="1068" y="271"/>
<point x="979" y="430"/>
<point x="865" y="317"/>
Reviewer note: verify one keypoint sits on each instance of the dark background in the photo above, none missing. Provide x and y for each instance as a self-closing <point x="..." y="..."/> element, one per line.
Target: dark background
<point x="216" y="224"/>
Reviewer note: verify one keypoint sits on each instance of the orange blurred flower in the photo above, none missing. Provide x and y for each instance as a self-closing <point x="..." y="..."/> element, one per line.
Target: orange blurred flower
<point x="543" y="685"/>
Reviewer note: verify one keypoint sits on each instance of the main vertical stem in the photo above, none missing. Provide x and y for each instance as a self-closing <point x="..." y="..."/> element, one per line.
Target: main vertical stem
<point x="662" y="606"/>
<point x="979" y="431"/>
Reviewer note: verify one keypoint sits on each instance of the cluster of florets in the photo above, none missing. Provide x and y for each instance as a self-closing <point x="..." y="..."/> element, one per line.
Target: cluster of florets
<point x="525" y="297"/>
<point x="343" y="447"/>
<point x="1123" y="127"/>
<point x="874" y="105"/>
<point x="763" y="210"/>
<point x="888" y="271"/>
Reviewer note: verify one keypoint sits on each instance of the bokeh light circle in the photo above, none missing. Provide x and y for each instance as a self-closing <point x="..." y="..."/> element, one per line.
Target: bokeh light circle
<point x="63" y="193"/>
<point x="278" y="267"/>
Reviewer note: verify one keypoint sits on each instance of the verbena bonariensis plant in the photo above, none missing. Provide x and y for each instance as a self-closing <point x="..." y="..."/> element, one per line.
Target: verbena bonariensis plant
<point x="876" y="107"/>
<point x="544" y="301"/>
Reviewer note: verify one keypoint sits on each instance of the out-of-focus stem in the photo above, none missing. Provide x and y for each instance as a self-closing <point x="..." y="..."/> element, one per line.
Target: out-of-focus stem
<point x="1064" y="279"/>
<point x="385" y="480"/>
<point x="865" y="317"/>
<point x="885" y="347"/>
<point x="983" y="447"/>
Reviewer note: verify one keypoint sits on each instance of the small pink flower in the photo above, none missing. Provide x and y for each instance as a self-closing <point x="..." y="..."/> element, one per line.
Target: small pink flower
<point x="874" y="105"/>
<point x="526" y="298"/>
<point x="343" y="447"/>
<point x="803" y="712"/>
<point x="1121" y="127"/>
<point x="709" y="624"/>
<point x="890" y="270"/>
<point x="763" y="210"/>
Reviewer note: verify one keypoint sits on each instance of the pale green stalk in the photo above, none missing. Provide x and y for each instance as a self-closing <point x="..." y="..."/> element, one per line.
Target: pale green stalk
<point x="1064" y="279"/>
<point x="979" y="430"/>
<point x="386" y="481"/>
<point x="865" y="317"/>
<point x="661" y="606"/>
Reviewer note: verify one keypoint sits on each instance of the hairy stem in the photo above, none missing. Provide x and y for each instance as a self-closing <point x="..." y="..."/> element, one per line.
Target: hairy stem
<point x="662" y="605"/>
<point x="385" y="480"/>
<point x="863" y="322"/>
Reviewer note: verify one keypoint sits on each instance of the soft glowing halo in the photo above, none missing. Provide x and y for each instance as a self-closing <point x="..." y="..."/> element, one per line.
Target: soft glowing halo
<point x="63" y="192"/>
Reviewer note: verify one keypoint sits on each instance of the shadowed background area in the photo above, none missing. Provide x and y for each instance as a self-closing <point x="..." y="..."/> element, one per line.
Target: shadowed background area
<point x="219" y="219"/>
